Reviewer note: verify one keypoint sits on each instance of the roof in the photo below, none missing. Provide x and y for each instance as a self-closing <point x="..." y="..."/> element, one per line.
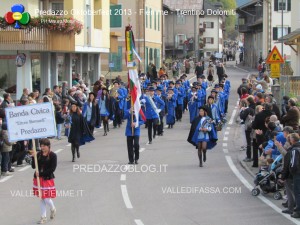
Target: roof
<point x="242" y="2"/>
<point x="184" y="4"/>
<point x="250" y="3"/>
<point x="289" y="39"/>
<point x="209" y="5"/>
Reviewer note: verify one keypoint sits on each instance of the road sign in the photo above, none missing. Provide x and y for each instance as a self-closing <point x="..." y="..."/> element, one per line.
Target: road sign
<point x="30" y="122"/>
<point x="274" y="56"/>
<point x="275" y="70"/>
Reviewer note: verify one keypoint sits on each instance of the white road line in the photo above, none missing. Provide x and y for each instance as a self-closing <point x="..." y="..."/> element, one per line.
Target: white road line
<point x="226" y="133"/>
<point x="166" y="126"/>
<point x="225" y="150"/>
<point x="192" y="78"/>
<point x="142" y="149"/>
<point x="126" y="197"/>
<point x="68" y="145"/>
<point x="224" y="144"/>
<point x="232" y="117"/>
<point x="250" y="187"/>
<point x="225" y="139"/>
<point x="123" y="177"/>
<point x="228" y="128"/>
<point x="138" y="222"/>
<point x="57" y="151"/>
<point x="24" y="168"/>
<point x="236" y="107"/>
<point x="5" y="179"/>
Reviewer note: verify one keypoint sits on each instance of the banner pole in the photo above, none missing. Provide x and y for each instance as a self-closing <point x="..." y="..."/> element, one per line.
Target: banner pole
<point x="36" y="168"/>
<point x="132" y="115"/>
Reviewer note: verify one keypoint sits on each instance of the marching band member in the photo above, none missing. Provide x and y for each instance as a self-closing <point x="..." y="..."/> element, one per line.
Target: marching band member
<point x="162" y="113"/>
<point x="171" y="104"/>
<point x="199" y="134"/>
<point x="193" y="103"/>
<point x="180" y="97"/>
<point x="152" y="112"/>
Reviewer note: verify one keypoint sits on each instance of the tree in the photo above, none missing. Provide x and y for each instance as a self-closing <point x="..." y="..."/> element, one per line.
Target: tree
<point x="230" y="20"/>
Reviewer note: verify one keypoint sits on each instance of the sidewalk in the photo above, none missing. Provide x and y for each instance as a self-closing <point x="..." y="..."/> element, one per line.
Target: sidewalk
<point x="248" y="69"/>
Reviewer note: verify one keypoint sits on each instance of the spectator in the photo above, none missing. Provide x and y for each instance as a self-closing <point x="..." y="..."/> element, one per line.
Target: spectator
<point x="284" y="105"/>
<point x="292" y="116"/>
<point x="6" y="152"/>
<point x="59" y="120"/>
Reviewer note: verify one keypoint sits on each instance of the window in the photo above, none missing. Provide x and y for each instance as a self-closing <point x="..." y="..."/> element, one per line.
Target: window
<point x="146" y="15"/>
<point x="277" y="32"/>
<point x="116" y="16"/>
<point x="209" y="25"/>
<point x="154" y="13"/>
<point x="151" y="54"/>
<point x="158" y="25"/>
<point x="180" y="19"/>
<point x="57" y="7"/>
<point x="116" y="60"/>
<point x="282" y="5"/>
<point x="150" y="18"/>
<point x="209" y="40"/>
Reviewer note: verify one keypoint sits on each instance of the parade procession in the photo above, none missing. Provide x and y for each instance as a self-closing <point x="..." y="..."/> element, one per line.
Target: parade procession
<point x="149" y="112"/>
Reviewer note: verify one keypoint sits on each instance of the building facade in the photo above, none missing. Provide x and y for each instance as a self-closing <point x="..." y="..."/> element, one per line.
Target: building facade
<point x="145" y="17"/>
<point x="54" y="56"/>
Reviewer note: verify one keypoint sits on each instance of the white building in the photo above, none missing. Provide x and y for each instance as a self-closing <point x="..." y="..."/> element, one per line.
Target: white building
<point x="273" y="25"/>
<point x="211" y="32"/>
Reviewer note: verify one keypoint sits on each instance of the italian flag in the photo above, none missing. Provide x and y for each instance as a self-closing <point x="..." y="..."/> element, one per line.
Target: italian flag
<point x="135" y="92"/>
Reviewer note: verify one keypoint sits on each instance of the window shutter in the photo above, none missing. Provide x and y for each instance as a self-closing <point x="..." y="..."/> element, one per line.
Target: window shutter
<point x="275" y="5"/>
<point x="289" y="5"/>
<point x="212" y="40"/>
<point x="275" y="30"/>
<point x="289" y="30"/>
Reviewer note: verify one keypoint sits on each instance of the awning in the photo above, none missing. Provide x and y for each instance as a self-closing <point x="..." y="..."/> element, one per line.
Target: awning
<point x="291" y="38"/>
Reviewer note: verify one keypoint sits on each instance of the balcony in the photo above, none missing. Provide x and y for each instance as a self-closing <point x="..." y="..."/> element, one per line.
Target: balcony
<point x="37" y="39"/>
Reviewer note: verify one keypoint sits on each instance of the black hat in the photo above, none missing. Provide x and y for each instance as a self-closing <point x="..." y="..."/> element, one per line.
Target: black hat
<point x="184" y="75"/>
<point x="151" y="89"/>
<point x="178" y="82"/>
<point x="116" y="82"/>
<point x="217" y="86"/>
<point x="194" y="87"/>
<point x="195" y="83"/>
<point x="154" y="82"/>
<point x="92" y="93"/>
<point x="210" y="97"/>
<point x="171" y="82"/>
<point x="221" y="85"/>
<point x="159" y="88"/>
<point x="214" y="90"/>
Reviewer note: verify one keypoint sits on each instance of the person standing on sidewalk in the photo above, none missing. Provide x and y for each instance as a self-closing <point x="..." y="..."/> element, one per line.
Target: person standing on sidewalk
<point x="47" y="162"/>
<point x="6" y="152"/>
<point x="294" y="169"/>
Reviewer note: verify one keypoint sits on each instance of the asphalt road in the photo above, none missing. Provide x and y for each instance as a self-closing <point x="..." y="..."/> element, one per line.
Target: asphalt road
<point x="166" y="188"/>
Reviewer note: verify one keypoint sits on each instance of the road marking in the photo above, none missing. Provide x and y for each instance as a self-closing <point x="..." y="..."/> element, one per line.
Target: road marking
<point x="250" y="187"/>
<point x="226" y="133"/>
<point x="142" y="149"/>
<point x="225" y="139"/>
<point x="232" y="117"/>
<point x="138" y="222"/>
<point x="57" y="151"/>
<point x="166" y="126"/>
<point x="228" y="128"/>
<point x="123" y="177"/>
<point x="224" y="144"/>
<point x="24" y="168"/>
<point x="95" y="132"/>
<point x="192" y="78"/>
<point x="126" y="197"/>
<point x="68" y="145"/>
<point x="5" y="179"/>
<point x="225" y="150"/>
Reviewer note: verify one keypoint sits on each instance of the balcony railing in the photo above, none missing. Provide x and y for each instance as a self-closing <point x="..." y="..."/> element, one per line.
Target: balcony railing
<point x="37" y="39"/>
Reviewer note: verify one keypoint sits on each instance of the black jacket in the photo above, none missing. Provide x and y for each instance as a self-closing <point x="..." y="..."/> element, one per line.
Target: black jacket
<point x="294" y="162"/>
<point x="259" y="121"/>
<point x="248" y="111"/>
<point x="285" y="173"/>
<point x="58" y="117"/>
<point x="47" y="165"/>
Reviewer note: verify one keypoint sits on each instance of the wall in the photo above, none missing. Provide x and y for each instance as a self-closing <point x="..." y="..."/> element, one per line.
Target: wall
<point x="295" y="60"/>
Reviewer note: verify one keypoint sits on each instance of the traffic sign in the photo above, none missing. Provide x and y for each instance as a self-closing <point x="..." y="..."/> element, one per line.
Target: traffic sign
<point x="275" y="70"/>
<point x="274" y="56"/>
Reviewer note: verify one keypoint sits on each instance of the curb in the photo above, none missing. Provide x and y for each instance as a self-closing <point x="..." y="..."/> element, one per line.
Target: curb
<point x="245" y="166"/>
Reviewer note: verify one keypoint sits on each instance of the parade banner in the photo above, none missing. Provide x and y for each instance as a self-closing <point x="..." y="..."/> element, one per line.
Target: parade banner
<point x="30" y="122"/>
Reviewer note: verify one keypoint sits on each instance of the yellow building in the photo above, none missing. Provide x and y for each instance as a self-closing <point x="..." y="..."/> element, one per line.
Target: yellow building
<point x="145" y="17"/>
<point x="54" y="56"/>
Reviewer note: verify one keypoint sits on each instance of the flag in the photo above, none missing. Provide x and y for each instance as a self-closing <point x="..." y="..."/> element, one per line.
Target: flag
<point x="135" y="92"/>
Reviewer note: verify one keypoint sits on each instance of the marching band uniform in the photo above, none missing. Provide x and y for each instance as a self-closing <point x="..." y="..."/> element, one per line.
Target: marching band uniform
<point x="193" y="103"/>
<point x="171" y="104"/>
<point x="151" y="114"/>
<point x="133" y="145"/>
<point x="180" y="97"/>
<point x="162" y="113"/>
